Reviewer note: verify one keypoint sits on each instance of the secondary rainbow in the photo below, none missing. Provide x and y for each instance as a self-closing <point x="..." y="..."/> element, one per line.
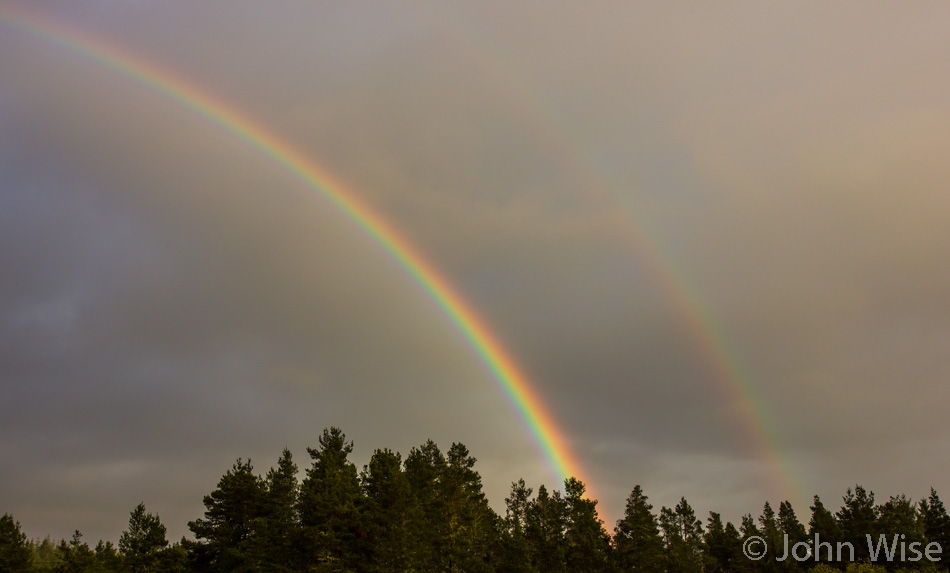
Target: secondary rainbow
<point x="505" y="371"/>
<point x="698" y="323"/>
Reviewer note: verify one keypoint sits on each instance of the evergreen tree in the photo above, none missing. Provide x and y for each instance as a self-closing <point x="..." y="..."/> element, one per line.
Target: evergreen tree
<point x="936" y="522"/>
<point x="424" y="468"/>
<point x="75" y="556"/>
<point x="515" y="555"/>
<point x="588" y="543"/>
<point x="173" y="559"/>
<point x="857" y="518"/>
<point x="108" y="558"/>
<point x="637" y="542"/>
<point x="330" y="507"/>
<point x="774" y="539"/>
<point x="683" y="536"/>
<point x="228" y="528"/>
<point x="825" y="528"/>
<point x="546" y="531"/>
<point x="738" y="563"/>
<point x="277" y="528"/>
<point x="747" y="529"/>
<point x="469" y="521"/>
<point x="15" y="552"/>
<point x="45" y="554"/>
<point x="718" y="551"/>
<point x="143" y="541"/>
<point x="898" y="516"/>
<point x="391" y="514"/>
<point x="789" y="525"/>
<point x="723" y="546"/>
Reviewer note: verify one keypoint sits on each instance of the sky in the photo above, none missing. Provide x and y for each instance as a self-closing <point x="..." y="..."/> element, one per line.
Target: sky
<point x="712" y="237"/>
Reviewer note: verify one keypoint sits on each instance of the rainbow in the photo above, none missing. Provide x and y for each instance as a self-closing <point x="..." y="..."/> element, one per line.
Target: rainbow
<point x="511" y="379"/>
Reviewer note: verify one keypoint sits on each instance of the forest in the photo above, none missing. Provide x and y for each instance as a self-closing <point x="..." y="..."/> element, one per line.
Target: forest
<point x="427" y="512"/>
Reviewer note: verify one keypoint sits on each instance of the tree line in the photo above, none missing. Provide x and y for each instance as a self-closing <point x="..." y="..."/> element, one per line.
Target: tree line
<point x="427" y="512"/>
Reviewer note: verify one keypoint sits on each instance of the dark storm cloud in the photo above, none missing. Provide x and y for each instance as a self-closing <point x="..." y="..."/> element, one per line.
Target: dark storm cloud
<point x="171" y="300"/>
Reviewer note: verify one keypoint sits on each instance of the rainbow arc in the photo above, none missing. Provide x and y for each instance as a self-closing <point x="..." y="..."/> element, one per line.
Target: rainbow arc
<point x="509" y="376"/>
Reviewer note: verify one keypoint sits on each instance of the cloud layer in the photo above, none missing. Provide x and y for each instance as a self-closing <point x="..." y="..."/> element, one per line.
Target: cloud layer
<point x="171" y="300"/>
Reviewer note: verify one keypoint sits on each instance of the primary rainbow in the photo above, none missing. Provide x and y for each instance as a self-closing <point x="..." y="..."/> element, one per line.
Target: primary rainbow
<point x="504" y="369"/>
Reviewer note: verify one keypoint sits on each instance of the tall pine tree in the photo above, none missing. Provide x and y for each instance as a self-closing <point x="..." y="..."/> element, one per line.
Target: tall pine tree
<point x="142" y="543"/>
<point x="857" y="518"/>
<point x="424" y="468"/>
<point x="898" y="517"/>
<point x="774" y="539"/>
<point x="470" y="524"/>
<point x="333" y="535"/>
<point x="683" y="536"/>
<point x="723" y="546"/>
<point x="637" y="542"/>
<point x="278" y="527"/>
<point x="514" y="553"/>
<point x="75" y="556"/>
<point x="15" y="553"/>
<point x="936" y="522"/>
<point x="824" y="528"/>
<point x="546" y="531"/>
<point x="789" y="526"/>
<point x="588" y="543"/>
<point x="391" y="515"/>
<point x="226" y="534"/>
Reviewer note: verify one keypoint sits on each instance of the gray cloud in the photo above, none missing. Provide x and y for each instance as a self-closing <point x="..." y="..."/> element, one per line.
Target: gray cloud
<point x="172" y="300"/>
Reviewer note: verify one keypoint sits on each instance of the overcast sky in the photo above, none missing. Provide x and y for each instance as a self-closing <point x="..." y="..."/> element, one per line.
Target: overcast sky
<point x="171" y="299"/>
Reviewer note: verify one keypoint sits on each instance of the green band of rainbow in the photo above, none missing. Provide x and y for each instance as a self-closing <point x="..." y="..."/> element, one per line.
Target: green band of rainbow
<point x="506" y="372"/>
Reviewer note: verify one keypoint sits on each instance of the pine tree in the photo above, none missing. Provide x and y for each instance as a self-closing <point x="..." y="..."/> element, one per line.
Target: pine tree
<point x="143" y="541"/>
<point x="229" y="526"/>
<point x="174" y="559"/>
<point x="898" y="516"/>
<point x="723" y="546"/>
<point x="514" y="553"/>
<point x="857" y="518"/>
<point x="277" y="529"/>
<point x="424" y="468"/>
<point x="75" y="556"/>
<point x="770" y="531"/>
<point x="637" y="542"/>
<point x="45" y="554"/>
<point x="588" y="543"/>
<point x="789" y="525"/>
<point x="824" y="528"/>
<point x="334" y="538"/>
<point x="683" y="536"/>
<point x="546" y="531"/>
<point x="15" y="552"/>
<point x="936" y="522"/>
<point x="470" y="523"/>
<point x="109" y="560"/>
<point x="391" y="514"/>
<point x="748" y="529"/>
